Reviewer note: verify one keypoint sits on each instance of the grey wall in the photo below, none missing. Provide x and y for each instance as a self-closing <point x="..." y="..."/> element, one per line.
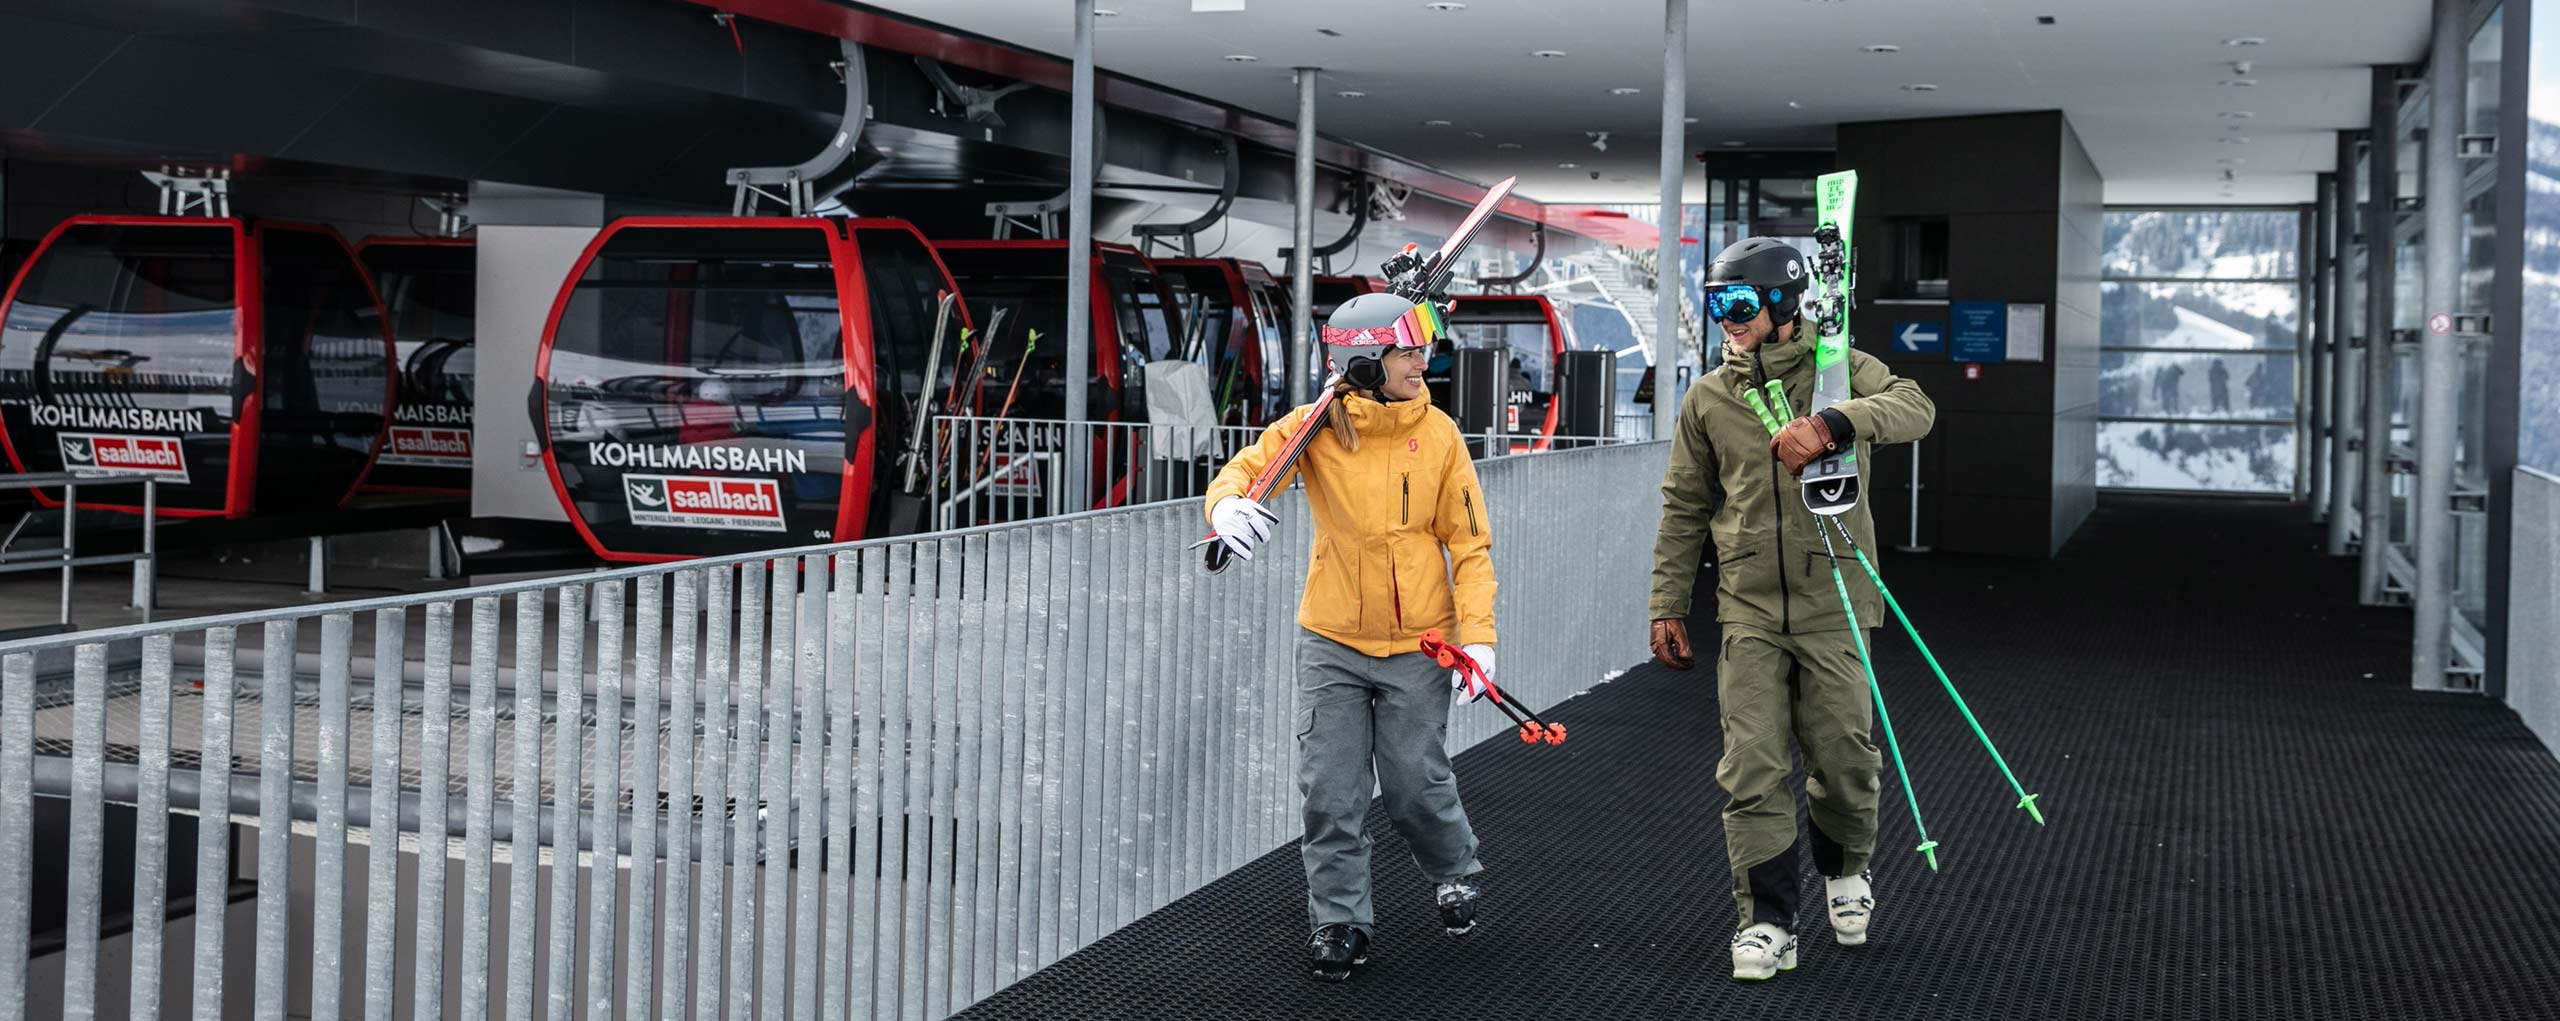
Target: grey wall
<point x="2011" y="467"/>
<point x="2072" y="348"/>
<point x="529" y="240"/>
<point x="2533" y="644"/>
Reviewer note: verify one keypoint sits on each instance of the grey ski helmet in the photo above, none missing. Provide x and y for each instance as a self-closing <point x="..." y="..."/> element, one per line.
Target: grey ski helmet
<point x="1361" y="331"/>
<point x="1771" y="267"/>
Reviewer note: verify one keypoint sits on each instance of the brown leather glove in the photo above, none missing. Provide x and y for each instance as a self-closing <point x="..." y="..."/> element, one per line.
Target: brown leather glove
<point x="1671" y="644"/>
<point x="1800" y="443"/>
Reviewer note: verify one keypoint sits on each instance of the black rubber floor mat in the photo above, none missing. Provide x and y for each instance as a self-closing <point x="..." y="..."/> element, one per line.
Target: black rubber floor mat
<point x="2251" y="816"/>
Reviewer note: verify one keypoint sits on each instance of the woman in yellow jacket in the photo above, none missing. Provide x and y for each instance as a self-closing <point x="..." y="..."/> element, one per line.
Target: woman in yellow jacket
<point x="1398" y="516"/>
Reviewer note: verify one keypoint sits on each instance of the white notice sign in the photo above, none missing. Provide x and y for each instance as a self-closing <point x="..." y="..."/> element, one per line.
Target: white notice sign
<point x="2026" y="333"/>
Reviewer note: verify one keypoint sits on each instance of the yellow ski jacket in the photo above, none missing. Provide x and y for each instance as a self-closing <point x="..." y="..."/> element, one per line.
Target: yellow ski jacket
<point x="1402" y="544"/>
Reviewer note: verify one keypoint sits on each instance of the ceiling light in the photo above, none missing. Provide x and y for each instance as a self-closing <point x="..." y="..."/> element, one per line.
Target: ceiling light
<point x="1435" y="123"/>
<point x="1547" y="54"/>
<point x="2243" y="67"/>
<point x="2241" y="83"/>
<point x="1734" y="143"/>
<point x="1352" y="94"/>
<point x="1445" y="6"/>
<point x="1475" y="134"/>
<point x="1688" y="120"/>
<point x="1881" y="48"/>
<point x="1793" y="105"/>
<point x="2238" y="115"/>
<point x="1920" y="87"/>
<point x="1568" y="166"/>
<point x="1599" y="140"/>
<point x="2245" y="40"/>
<point x="1105" y="12"/>
<point x="2233" y="139"/>
<point x="1217" y="6"/>
<point x="1239" y="58"/>
<point x="1624" y="91"/>
<point x="2232" y="160"/>
<point x="1506" y="145"/>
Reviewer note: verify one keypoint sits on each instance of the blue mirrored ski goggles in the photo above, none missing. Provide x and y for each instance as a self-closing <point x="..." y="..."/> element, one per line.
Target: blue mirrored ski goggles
<point x="1735" y="303"/>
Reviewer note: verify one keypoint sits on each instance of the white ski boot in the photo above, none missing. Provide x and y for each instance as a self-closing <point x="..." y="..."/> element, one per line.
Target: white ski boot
<point x="1762" y="951"/>
<point x="1853" y="903"/>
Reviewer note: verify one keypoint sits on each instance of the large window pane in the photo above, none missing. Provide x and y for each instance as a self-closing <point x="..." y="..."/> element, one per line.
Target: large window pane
<point x="2201" y="316"/>
<point x="2237" y="244"/>
<point x="2215" y="386"/>
<point x="2199" y="325"/>
<point x="2215" y="458"/>
<point x="2480" y="97"/>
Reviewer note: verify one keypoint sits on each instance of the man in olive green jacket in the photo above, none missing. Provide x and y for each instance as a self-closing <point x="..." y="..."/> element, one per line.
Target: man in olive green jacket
<point x="1786" y="664"/>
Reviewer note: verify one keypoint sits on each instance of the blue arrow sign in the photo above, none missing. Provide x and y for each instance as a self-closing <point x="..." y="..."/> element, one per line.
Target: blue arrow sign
<point x="1919" y="338"/>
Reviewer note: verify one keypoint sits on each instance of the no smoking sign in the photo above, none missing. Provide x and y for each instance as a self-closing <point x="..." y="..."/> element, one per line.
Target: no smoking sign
<point x="2439" y="324"/>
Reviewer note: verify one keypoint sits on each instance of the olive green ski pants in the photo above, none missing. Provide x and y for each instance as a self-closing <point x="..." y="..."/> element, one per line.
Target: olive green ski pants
<point x="1812" y="688"/>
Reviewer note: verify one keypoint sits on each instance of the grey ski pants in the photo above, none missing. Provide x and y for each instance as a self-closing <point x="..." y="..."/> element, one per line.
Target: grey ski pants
<point x="1359" y="715"/>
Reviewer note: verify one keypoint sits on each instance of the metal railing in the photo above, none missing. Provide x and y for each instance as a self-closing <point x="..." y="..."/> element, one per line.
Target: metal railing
<point x="994" y="470"/>
<point x="865" y="781"/>
<point x="67" y="558"/>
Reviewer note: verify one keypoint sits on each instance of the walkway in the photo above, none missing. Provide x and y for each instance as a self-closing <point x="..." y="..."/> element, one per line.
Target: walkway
<point x="2251" y="816"/>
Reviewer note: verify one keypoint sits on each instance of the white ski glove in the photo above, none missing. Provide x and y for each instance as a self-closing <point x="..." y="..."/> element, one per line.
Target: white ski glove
<point x="1467" y="688"/>
<point x="1241" y="525"/>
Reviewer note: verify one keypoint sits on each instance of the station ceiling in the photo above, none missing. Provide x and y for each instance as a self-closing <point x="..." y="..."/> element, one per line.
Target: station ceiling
<point x="2149" y="86"/>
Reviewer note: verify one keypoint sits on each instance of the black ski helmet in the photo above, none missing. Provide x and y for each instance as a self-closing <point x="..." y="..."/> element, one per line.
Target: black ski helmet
<point x="1771" y="265"/>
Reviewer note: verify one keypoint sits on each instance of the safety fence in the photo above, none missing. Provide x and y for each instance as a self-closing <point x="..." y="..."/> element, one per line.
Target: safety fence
<point x="879" y="780"/>
<point x="993" y="470"/>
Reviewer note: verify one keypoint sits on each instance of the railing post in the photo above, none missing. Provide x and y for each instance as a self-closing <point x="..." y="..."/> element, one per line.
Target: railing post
<point x="1914" y="546"/>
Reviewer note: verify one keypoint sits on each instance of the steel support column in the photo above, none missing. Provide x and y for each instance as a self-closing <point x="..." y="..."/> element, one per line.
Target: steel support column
<point x="2380" y="221"/>
<point x="2439" y="372"/>
<point x="1079" y="298"/>
<point x="1302" y="273"/>
<point x="1669" y="278"/>
<point x="2346" y="481"/>
<point x="2324" y="351"/>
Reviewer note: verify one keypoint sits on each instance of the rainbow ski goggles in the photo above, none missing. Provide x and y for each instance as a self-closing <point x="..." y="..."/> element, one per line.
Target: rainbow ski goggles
<point x="1419" y="326"/>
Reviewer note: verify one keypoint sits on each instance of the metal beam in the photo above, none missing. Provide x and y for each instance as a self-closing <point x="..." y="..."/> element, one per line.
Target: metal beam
<point x="1667" y="275"/>
<point x="1302" y="274"/>
<point x="2324" y="355"/>
<point x="2346" y="372"/>
<point x="2439" y="373"/>
<point x="1079" y="297"/>
<point x="2381" y="188"/>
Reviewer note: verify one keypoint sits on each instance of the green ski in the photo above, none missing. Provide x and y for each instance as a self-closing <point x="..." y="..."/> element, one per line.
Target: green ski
<point x="1831" y="484"/>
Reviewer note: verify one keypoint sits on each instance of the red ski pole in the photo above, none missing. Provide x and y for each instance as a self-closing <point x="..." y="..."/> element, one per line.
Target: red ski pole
<point x="1532" y="729"/>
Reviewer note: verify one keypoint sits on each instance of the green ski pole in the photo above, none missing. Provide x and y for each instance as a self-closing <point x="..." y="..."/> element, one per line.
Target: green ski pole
<point x="2025" y="800"/>
<point x="1928" y="848"/>
<point x="1778" y="399"/>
